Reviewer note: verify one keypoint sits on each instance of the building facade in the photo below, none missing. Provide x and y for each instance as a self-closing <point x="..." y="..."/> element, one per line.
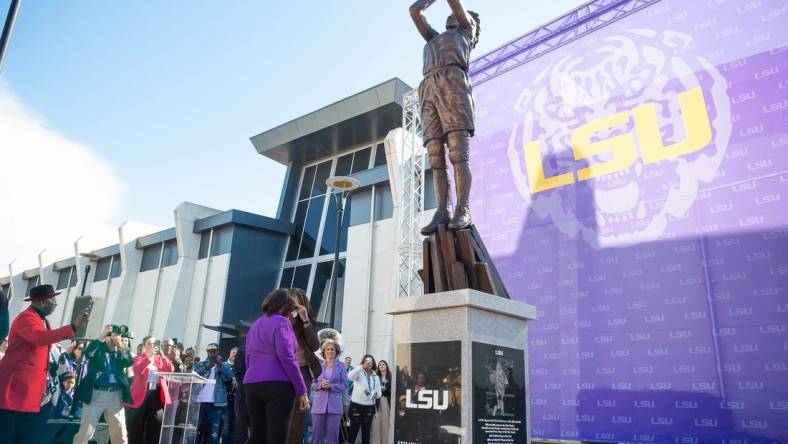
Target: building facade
<point x="215" y="267"/>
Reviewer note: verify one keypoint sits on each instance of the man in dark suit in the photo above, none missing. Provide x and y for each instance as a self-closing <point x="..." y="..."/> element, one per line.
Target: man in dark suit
<point x="23" y="369"/>
<point x="105" y="387"/>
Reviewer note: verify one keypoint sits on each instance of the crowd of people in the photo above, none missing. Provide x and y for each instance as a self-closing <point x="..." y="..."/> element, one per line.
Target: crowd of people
<point x="283" y="383"/>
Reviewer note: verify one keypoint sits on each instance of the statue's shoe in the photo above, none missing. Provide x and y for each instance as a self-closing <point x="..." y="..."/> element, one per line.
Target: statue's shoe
<point x="461" y="219"/>
<point x="441" y="217"/>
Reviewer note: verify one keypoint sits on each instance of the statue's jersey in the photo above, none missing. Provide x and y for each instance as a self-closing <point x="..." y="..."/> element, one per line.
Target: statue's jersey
<point x="452" y="47"/>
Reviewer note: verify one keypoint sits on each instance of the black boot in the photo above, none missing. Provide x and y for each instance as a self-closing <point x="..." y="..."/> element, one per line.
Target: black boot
<point x="462" y="180"/>
<point x="442" y="216"/>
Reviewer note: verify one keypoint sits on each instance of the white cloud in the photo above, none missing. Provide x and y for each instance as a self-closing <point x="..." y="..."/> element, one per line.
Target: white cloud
<point x="52" y="189"/>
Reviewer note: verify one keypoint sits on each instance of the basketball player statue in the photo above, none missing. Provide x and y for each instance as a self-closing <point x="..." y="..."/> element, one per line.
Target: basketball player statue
<point x="447" y="107"/>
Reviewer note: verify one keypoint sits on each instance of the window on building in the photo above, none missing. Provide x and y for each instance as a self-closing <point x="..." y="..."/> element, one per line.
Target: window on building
<point x="362" y="206"/>
<point x="151" y="256"/>
<point x="313" y="244"/>
<point x="32" y="282"/>
<point x="295" y="239"/>
<point x="67" y="277"/>
<point x="344" y="163"/>
<point x="321" y="291"/>
<point x="328" y="244"/>
<point x="169" y="255"/>
<point x="323" y="172"/>
<point x="311" y="227"/>
<point x="102" y="269"/>
<point x="6" y="290"/>
<point x="361" y="160"/>
<point x="107" y="268"/>
<point x="306" y="184"/>
<point x="384" y="207"/>
<point x="222" y="240"/>
<point x="287" y="278"/>
<point x="380" y="155"/>
<point x="301" y="277"/>
<point x="115" y="267"/>
<point x="205" y="241"/>
<point x="73" y="279"/>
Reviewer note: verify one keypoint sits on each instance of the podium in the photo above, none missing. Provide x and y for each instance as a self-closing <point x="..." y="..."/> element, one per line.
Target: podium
<point x="179" y="425"/>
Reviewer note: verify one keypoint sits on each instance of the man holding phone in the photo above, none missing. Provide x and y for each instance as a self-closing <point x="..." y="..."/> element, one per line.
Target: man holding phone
<point x="213" y="397"/>
<point x="23" y="368"/>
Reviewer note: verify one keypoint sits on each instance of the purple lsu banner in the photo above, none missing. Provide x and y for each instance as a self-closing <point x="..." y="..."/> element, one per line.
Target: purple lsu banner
<point x="633" y="186"/>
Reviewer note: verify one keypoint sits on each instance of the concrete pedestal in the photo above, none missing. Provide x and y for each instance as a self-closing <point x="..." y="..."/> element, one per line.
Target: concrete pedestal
<point x="477" y="332"/>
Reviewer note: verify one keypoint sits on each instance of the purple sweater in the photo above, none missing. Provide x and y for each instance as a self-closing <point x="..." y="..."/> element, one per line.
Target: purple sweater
<point x="271" y="353"/>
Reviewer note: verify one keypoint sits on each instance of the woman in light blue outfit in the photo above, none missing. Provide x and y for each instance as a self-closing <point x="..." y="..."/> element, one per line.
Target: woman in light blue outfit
<point x="328" y="389"/>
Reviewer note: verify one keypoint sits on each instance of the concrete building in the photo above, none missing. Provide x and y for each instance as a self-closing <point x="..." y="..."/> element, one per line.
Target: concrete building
<point x="214" y="267"/>
<point x="204" y="270"/>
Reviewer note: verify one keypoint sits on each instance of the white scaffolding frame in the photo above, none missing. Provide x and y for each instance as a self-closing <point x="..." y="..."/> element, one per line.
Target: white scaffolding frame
<point x="412" y="160"/>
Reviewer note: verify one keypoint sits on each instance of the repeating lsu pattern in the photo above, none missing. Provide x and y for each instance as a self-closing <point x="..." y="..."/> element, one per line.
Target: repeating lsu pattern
<point x="632" y="185"/>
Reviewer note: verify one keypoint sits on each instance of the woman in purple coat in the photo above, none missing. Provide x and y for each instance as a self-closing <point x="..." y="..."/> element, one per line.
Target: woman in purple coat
<point x="273" y="379"/>
<point x="329" y="390"/>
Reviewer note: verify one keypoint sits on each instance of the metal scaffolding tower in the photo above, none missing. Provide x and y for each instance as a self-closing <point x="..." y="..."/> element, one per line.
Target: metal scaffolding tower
<point x="567" y="28"/>
<point x="412" y="160"/>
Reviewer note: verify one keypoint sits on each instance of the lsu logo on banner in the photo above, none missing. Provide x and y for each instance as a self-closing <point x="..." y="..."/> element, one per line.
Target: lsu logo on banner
<point x="622" y="148"/>
<point x="614" y="143"/>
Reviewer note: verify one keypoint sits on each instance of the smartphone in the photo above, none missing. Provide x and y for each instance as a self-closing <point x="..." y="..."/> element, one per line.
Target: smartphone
<point x="294" y="314"/>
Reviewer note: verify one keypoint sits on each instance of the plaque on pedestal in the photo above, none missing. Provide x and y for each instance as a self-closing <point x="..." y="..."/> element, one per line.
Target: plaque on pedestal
<point x="428" y="393"/>
<point x="499" y="408"/>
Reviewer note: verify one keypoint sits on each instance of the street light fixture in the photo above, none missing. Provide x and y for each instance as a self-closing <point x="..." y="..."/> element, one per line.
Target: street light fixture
<point x="341" y="187"/>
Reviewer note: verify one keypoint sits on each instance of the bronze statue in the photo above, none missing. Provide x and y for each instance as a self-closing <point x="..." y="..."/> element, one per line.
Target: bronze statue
<point x="447" y="106"/>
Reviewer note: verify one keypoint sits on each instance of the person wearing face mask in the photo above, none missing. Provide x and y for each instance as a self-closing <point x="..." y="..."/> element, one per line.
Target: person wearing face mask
<point x="29" y="342"/>
<point x="366" y="391"/>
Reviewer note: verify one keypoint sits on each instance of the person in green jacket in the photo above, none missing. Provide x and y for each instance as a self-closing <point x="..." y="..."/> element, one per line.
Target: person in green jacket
<point x="105" y="387"/>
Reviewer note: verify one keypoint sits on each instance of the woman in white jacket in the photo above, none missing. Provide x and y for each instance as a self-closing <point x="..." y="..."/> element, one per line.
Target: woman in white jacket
<point x="366" y="391"/>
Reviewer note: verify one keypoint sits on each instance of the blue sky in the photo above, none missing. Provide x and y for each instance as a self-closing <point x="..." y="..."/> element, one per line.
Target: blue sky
<point x="168" y="93"/>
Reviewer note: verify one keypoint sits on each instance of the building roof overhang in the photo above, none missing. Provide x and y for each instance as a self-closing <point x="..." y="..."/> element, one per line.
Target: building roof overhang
<point x="156" y="238"/>
<point x="356" y="120"/>
<point x="242" y="218"/>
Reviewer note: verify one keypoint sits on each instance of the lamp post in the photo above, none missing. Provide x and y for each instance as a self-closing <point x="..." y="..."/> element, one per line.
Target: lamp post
<point x="8" y="28"/>
<point x="341" y="186"/>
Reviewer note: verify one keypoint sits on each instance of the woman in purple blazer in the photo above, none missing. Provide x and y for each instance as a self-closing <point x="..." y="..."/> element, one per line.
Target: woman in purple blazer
<point x="273" y="379"/>
<point x="329" y="388"/>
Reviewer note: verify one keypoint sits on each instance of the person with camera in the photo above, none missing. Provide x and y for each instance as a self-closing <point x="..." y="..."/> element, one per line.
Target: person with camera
<point x="170" y="350"/>
<point x="366" y="391"/>
<point x="149" y="393"/>
<point x="212" y="397"/>
<point x="23" y="370"/>
<point x="105" y="387"/>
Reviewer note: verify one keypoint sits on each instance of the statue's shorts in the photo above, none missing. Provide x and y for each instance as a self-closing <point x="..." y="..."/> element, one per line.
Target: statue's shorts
<point x="446" y="101"/>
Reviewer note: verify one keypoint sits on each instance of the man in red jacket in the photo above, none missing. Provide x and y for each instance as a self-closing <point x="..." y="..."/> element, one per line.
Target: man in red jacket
<point x="23" y="369"/>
